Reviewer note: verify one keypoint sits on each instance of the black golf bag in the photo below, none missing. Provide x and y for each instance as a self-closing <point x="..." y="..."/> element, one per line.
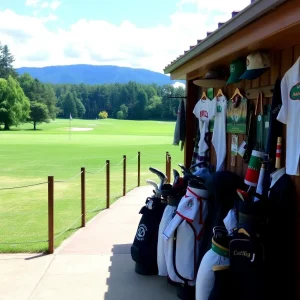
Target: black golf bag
<point x="144" y="248"/>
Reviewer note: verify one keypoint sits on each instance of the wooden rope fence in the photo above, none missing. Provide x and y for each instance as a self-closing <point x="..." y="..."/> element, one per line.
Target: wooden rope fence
<point x="51" y="200"/>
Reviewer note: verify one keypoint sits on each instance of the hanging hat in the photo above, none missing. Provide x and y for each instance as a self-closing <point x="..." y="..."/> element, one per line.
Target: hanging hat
<point x="214" y="78"/>
<point x="237" y="69"/>
<point x="257" y="63"/>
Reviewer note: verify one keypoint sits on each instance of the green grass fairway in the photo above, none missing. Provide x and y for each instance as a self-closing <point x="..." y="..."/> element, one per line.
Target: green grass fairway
<point x="28" y="157"/>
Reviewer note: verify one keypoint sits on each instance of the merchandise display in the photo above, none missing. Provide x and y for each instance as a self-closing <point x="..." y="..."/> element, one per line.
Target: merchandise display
<point x="204" y="110"/>
<point x="237" y="69"/>
<point x="219" y="131"/>
<point x="223" y="238"/>
<point x="214" y="78"/>
<point x="257" y="63"/>
<point x="289" y="114"/>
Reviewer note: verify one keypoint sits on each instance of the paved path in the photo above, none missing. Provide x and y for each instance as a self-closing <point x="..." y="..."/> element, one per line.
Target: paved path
<point x="94" y="263"/>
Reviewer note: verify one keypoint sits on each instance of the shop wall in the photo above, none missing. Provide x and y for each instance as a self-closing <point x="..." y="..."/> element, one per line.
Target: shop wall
<point x="281" y="62"/>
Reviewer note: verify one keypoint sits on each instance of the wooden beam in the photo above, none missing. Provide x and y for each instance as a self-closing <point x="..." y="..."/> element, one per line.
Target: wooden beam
<point x="282" y="24"/>
<point x="193" y="92"/>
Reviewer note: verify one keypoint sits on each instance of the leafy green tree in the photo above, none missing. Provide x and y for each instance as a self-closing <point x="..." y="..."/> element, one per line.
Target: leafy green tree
<point x="103" y="114"/>
<point x="38" y="92"/>
<point x="141" y="104"/>
<point x="80" y="108"/>
<point x="124" y="109"/>
<point x="6" y="63"/>
<point x="120" y="115"/>
<point x="69" y="105"/>
<point x="154" y="107"/>
<point x="14" y="105"/>
<point x="38" y="113"/>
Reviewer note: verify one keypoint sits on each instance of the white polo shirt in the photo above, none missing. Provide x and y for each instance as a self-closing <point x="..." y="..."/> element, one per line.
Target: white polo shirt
<point x="289" y="114"/>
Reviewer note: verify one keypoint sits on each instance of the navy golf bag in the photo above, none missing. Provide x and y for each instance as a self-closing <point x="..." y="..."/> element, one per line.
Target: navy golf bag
<point x="144" y="248"/>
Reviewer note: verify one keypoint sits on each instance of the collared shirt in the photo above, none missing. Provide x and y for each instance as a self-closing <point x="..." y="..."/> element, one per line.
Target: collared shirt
<point x="289" y="115"/>
<point x="276" y="175"/>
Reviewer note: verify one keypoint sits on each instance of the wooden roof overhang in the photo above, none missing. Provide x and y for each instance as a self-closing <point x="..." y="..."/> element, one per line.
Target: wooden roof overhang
<point x="276" y="29"/>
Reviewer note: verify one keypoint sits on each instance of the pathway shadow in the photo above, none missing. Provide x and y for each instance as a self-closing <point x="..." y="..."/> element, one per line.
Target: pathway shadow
<point x="125" y="284"/>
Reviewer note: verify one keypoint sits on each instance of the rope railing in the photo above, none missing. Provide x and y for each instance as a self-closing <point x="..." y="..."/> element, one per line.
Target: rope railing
<point x="95" y="208"/>
<point x="68" y="228"/>
<point x="102" y="204"/>
<point x="118" y="163"/>
<point x="24" y="243"/>
<point x="98" y="171"/>
<point x="70" y="179"/>
<point x="23" y="186"/>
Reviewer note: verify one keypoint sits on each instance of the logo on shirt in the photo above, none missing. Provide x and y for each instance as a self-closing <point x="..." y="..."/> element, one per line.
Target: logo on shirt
<point x="295" y="92"/>
<point x="219" y="108"/>
<point x="203" y="114"/>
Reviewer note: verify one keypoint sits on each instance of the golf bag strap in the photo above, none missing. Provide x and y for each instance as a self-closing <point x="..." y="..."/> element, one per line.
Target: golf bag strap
<point x="185" y="280"/>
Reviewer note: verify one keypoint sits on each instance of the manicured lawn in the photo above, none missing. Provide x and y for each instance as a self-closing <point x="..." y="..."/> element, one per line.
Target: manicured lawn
<point x="28" y="157"/>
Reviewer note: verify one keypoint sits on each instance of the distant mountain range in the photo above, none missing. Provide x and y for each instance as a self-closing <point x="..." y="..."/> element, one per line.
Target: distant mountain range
<point x="90" y="74"/>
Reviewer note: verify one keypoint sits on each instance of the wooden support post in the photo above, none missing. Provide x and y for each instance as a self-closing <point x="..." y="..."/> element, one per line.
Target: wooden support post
<point x="107" y="184"/>
<point x="169" y="176"/>
<point x="82" y="197"/>
<point x="51" y="214"/>
<point x="167" y="164"/>
<point x="139" y="168"/>
<point x="124" y="175"/>
<point x="193" y="93"/>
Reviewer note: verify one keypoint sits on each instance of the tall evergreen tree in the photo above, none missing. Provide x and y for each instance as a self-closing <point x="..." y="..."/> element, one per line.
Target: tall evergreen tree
<point x="6" y="63"/>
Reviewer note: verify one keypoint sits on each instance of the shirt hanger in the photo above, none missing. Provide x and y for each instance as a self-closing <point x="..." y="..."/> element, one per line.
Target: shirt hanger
<point x="203" y="97"/>
<point x="219" y="93"/>
<point x="237" y="93"/>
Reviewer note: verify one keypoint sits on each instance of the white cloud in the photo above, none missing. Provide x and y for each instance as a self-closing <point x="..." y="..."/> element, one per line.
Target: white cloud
<point x="178" y="84"/>
<point x="55" y="4"/>
<point x="100" y="42"/>
<point x="32" y="3"/>
<point x="43" y="5"/>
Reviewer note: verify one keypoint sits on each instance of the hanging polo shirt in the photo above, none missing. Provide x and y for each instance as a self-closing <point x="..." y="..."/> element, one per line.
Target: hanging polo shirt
<point x="289" y="114"/>
<point x="204" y="110"/>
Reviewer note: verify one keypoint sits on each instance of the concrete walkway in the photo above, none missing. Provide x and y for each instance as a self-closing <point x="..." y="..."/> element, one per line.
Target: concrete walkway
<point x="94" y="263"/>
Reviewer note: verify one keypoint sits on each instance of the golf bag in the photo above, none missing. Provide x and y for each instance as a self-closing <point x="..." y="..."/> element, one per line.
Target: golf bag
<point x="144" y="247"/>
<point x="218" y="255"/>
<point x="163" y="248"/>
<point x="183" y="235"/>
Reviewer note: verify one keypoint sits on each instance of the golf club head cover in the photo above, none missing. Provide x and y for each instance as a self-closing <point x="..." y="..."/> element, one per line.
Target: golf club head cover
<point x="217" y="255"/>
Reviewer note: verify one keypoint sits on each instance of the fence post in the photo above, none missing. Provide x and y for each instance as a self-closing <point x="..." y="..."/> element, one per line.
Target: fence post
<point x="169" y="176"/>
<point x="51" y="214"/>
<point x="124" y="175"/>
<point x="82" y="197"/>
<point x="139" y="168"/>
<point x="107" y="183"/>
<point x="167" y="162"/>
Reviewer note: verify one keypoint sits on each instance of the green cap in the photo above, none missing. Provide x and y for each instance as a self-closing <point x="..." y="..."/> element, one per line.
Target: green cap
<point x="237" y="68"/>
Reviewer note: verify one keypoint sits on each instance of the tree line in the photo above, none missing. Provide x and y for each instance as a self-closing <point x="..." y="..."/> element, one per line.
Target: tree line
<point x="25" y="99"/>
<point x="132" y="101"/>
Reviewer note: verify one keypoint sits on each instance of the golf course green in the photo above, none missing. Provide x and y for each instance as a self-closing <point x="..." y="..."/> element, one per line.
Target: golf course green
<point x="60" y="149"/>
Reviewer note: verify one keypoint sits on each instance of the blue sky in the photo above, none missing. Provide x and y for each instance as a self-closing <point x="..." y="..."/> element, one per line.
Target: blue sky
<point x="136" y="33"/>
